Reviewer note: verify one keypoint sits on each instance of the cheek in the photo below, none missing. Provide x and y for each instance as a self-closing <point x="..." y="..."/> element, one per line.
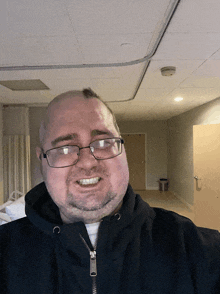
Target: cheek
<point x="55" y="181"/>
<point x="120" y="174"/>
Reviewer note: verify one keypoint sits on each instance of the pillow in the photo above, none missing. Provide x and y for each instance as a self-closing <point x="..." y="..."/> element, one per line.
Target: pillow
<point x="4" y="218"/>
<point x="17" y="209"/>
<point x="19" y="200"/>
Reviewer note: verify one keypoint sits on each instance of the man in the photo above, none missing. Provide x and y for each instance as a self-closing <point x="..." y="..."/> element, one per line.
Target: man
<point x="86" y="231"/>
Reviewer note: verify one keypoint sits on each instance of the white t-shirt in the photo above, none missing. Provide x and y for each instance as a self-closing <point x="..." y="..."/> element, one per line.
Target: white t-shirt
<point x="92" y="230"/>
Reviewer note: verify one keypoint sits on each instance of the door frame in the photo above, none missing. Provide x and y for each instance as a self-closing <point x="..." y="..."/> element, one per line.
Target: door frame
<point x="145" y="159"/>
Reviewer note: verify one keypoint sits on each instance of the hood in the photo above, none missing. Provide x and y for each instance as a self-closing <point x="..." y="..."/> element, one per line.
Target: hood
<point x="44" y="213"/>
<point x="41" y="210"/>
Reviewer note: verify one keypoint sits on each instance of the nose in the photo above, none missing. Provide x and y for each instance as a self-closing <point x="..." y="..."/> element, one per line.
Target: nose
<point x="86" y="159"/>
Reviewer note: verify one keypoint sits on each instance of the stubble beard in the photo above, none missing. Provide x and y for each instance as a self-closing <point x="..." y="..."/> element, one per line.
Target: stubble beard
<point x="83" y="203"/>
<point x="75" y="204"/>
<point x="77" y="208"/>
<point x="74" y="212"/>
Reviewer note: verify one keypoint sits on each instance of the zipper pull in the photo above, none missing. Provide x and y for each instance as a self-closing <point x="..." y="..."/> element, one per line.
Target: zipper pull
<point x="93" y="268"/>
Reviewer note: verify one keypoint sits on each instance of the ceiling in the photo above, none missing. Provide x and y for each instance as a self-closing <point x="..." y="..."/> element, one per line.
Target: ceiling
<point x="115" y="47"/>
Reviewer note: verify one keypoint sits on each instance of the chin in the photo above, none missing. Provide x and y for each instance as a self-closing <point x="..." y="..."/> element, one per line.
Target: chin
<point x="93" y="213"/>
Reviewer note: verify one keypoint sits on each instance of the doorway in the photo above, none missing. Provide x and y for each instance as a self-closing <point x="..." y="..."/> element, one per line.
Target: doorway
<point x="206" y="154"/>
<point x="135" y="150"/>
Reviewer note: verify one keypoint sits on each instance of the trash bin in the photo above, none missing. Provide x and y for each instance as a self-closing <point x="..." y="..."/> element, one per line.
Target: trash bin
<point x="163" y="184"/>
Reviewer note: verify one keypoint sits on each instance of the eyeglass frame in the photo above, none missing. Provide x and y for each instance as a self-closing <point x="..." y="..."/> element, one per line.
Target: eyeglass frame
<point x="80" y="148"/>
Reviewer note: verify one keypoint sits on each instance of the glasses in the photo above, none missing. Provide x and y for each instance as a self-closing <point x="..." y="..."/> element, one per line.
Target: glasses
<point x="68" y="155"/>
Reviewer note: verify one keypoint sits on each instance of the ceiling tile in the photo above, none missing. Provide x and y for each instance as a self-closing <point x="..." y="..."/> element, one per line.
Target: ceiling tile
<point x="151" y="95"/>
<point x="210" y="68"/>
<point x="182" y="66"/>
<point x="40" y="51"/>
<point x="114" y="48"/>
<point x="188" y="46"/>
<point x="154" y="80"/>
<point x="201" y="82"/>
<point x="196" y="16"/>
<point x="34" y="18"/>
<point x="216" y="55"/>
<point x="193" y="96"/>
<point x="118" y="17"/>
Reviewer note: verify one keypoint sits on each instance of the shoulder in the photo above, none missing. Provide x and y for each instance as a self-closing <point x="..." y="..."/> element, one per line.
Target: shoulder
<point x="15" y="231"/>
<point x="167" y="227"/>
<point x="173" y="223"/>
<point x="176" y="233"/>
<point x="21" y="237"/>
<point x="19" y="223"/>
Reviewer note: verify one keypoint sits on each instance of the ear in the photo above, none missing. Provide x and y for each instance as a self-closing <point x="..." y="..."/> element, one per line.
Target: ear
<point x="38" y="152"/>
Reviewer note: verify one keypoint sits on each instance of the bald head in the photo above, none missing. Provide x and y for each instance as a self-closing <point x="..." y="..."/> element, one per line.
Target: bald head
<point x="92" y="187"/>
<point x="72" y="97"/>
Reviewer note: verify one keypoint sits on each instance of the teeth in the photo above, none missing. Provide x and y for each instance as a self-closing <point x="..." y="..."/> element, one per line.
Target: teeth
<point x="89" y="181"/>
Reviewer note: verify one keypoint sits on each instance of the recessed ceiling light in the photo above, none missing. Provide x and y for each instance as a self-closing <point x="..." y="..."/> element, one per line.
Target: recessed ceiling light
<point x="178" y="99"/>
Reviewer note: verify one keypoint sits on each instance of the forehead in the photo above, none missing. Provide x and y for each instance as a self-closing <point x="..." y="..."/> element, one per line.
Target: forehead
<point x="77" y="115"/>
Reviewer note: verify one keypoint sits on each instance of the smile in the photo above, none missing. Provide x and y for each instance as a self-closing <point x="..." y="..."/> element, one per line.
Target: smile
<point x="91" y="181"/>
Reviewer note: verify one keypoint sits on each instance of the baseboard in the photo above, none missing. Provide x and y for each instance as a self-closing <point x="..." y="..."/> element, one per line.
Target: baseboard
<point x="152" y="188"/>
<point x="191" y="207"/>
<point x="148" y="188"/>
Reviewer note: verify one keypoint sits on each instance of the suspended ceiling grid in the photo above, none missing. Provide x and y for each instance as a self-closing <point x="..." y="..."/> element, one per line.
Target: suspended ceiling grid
<point x="106" y="45"/>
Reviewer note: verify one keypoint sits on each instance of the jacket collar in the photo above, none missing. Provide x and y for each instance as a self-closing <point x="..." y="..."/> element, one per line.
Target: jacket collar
<point x="44" y="213"/>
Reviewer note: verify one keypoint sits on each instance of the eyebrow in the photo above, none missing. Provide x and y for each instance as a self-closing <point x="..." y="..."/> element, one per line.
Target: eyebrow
<point x="99" y="132"/>
<point x="63" y="138"/>
<point x="73" y="136"/>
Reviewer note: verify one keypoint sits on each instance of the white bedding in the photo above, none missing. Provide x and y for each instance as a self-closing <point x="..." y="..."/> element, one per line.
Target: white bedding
<point x="12" y="210"/>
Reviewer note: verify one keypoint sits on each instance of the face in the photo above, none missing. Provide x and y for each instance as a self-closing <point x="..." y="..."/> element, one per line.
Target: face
<point x="90" y="189"/>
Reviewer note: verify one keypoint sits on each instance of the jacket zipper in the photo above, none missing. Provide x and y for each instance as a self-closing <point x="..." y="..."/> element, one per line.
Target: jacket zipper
<point x="93" y="266"/>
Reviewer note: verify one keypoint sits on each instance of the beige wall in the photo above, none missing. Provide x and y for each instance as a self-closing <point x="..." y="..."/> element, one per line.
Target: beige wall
<point x="36" y="115"/>
<point x="180" y="147"/>
<point x="15" y="120"/>
<point x="21" y="120"/>
<point x="156" y="148"/>
<point x="1" y="157"/>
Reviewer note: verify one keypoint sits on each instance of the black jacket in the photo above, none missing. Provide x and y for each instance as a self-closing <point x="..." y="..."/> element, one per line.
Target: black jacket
<point x="142" y="250"/>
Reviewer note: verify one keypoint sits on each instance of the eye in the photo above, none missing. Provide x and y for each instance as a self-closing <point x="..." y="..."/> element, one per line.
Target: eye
<point x="65" y="150"/>
<point x="104" y="143"/>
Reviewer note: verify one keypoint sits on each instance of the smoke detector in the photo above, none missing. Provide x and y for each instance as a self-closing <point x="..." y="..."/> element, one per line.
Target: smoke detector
<point x="168" y="71"/>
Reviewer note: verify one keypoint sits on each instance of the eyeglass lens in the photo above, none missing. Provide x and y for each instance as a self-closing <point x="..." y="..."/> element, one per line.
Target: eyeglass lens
<point x="69" y="155"/>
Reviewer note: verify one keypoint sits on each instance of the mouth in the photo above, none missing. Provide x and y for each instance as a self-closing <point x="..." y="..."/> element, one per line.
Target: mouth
<point x="87" y="182"/>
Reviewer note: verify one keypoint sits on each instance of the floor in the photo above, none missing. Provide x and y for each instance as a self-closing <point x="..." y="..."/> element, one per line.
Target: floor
<point x="166" y="200"/>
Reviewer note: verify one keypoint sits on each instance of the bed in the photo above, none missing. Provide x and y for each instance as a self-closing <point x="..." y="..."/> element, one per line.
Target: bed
<point x="13" y="209"/>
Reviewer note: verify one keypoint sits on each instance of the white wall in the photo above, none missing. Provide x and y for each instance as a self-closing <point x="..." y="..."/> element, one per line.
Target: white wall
<point x="180" y="147"/>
